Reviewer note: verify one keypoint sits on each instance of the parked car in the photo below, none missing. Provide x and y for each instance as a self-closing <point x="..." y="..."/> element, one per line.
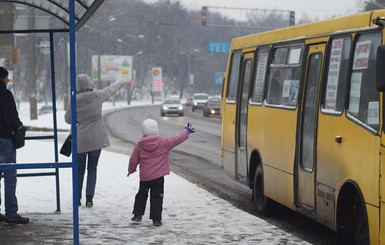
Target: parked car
<point x="199" y="100"/>
<point x="45" y="109"/>
<point x="212" y="107"/>
<point x="171" y="106"/>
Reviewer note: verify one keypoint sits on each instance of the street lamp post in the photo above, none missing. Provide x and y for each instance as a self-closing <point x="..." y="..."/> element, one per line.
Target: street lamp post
<point x="45" y="50"/>
<point x="63" y="42"/>
<point x="129" y="90"/>
<point x="188" y="55"/>
<point x="32" y="69"/>
<point x="99" y="35"/>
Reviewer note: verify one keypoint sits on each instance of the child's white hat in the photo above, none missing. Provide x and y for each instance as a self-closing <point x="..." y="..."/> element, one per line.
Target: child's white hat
<point x="149" y="126"/>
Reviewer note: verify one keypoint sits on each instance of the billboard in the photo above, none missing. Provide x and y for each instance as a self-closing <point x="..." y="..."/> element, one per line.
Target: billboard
<point x="112" y="67"/>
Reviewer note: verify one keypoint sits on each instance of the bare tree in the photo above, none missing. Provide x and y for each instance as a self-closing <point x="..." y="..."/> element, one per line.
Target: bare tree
<point x="374" y="4"/>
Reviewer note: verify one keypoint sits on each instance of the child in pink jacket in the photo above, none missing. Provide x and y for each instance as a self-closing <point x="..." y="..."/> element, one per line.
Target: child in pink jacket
<point x="151" y="154"/>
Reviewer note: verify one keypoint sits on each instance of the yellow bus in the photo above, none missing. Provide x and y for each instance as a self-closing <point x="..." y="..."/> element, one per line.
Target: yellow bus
<point x="302" y="122"/>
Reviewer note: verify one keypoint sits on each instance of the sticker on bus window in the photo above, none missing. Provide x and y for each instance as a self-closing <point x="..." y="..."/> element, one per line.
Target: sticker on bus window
<point x="355" y="92"/>
<point x="260" y="77"/>
<point x="333" y="74"/>
<point x="290" y="91"/>
<point x="361" y="55"/>
<point x="294" y="56"/>
<point x="373" y="113"/>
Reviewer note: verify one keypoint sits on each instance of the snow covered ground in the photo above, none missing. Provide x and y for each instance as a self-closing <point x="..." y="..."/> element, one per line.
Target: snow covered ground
<point x="191" y="215"/>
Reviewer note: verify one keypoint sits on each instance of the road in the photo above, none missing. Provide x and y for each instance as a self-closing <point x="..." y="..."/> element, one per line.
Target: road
<point x="198" y="160"/>
<point x="205" y="142"/>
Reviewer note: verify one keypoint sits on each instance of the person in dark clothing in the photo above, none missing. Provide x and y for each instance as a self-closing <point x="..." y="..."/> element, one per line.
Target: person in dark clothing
<point x="9" y="124"/>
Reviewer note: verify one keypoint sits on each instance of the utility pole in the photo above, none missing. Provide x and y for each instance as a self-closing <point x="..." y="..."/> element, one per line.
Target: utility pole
<point x="9" y="53"/>
<point x="65" y="71"/>
<point x="7" y="17"/>
<point x="32" y="68"/>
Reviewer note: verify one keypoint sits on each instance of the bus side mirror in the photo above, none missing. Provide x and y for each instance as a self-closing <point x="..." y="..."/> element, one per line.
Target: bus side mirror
<point x="380" y="69"/>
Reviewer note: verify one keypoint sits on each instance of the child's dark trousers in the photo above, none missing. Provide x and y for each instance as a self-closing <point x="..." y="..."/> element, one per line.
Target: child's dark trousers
<point x="156" y="188"/>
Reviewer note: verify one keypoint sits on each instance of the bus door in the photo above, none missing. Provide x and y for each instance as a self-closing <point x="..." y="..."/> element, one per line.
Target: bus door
<point x="241" y="128"/>
<point x="306" y="151"/>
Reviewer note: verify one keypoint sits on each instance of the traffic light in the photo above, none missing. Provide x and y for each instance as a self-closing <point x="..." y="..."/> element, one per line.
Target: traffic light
<point x="204" y="16"/>
<point x="292" y="18"/>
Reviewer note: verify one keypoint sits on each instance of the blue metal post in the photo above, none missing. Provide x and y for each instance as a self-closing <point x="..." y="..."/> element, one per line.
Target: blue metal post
<point x="53" y="91"/>
<point x="73" y="122"/>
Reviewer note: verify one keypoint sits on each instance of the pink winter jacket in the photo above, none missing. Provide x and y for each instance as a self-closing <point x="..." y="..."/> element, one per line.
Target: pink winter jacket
<point x="151" y="153"/>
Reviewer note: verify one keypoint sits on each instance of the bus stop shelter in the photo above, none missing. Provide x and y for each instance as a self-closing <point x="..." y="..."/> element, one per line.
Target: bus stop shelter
<point x="72" y="14"/>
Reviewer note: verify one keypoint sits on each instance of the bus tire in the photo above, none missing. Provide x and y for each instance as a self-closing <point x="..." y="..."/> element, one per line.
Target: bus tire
<point x="262" y="203"/>
<point x="361" y="235"/>
<point x="352" y="227"/>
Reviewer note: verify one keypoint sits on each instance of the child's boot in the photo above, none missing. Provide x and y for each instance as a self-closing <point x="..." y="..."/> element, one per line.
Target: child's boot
<point x="137" y="218"/>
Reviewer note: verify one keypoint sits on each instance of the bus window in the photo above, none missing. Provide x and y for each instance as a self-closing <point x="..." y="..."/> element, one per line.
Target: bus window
<point x="294" y="55"/>
<point x="310" y="111"/>
<point x="279" y="56"/>
<point x="260" y="74"/>
<point x="274" y="95"/>
<point x="336" y="75"/>
<point x="283" y="81"/>
<point x="363" y="96"/>
<point x="232" y="85"/>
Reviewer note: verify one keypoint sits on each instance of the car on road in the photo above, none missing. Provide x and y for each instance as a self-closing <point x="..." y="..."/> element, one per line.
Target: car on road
<point x="45" y="109"/>
<point x="199" y="100"/>
<point x="212" y="107"/>
<point x="189" y="101"/>
<point x="171" y="106"/>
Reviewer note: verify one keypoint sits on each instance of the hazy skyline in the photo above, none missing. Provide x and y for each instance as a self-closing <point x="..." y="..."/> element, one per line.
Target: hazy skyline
<point x="310" y="8"/>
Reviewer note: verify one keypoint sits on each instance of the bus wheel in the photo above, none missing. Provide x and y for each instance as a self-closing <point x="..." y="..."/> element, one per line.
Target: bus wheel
<point x="361" y="235"/>
<point x="262" y="203"/>
<point x="353" y="225"/>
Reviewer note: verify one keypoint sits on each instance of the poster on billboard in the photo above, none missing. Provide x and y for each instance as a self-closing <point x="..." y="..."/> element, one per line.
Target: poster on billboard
<point x="112" y="67"/>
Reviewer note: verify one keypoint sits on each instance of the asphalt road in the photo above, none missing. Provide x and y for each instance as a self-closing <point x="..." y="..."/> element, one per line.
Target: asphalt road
<point x="198" y="160"/>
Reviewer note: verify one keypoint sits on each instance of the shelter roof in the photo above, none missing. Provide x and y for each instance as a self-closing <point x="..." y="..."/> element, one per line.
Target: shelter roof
<point x="60" y="8"/>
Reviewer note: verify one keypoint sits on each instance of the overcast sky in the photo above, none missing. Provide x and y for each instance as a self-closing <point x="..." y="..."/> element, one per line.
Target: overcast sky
<point x="314" y="9"/>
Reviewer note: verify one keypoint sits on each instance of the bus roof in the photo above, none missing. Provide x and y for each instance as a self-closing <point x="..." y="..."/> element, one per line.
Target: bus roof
<point x="314" y="29"/>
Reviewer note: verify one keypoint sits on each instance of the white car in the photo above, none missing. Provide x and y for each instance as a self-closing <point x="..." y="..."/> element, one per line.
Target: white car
<point x="171" y="106"/>
<point x="199" y="100"/>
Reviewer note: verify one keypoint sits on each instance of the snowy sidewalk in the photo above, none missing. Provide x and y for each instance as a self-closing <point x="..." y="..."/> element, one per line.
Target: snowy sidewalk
<point x="191" y="215"/>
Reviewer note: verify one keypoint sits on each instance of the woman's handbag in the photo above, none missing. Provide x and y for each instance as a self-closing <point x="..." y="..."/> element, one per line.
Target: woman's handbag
<point x="66" y="148"/>
<point x="19" y="137"/>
